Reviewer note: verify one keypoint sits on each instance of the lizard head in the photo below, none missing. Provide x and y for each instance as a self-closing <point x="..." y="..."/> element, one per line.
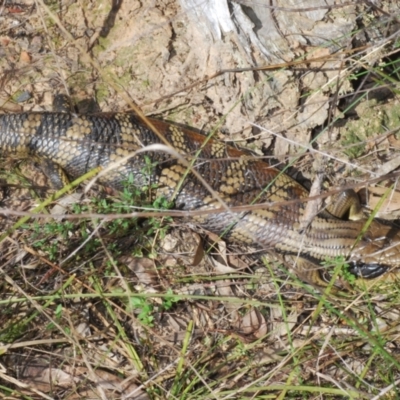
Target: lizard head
<point x="377" y="251"/>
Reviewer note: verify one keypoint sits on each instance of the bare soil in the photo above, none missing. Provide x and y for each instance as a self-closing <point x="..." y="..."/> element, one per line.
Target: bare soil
<point x="144" y="309"/>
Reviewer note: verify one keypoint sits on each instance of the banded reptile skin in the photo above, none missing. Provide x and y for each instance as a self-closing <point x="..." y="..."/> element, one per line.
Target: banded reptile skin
<point x="79" y="143"/>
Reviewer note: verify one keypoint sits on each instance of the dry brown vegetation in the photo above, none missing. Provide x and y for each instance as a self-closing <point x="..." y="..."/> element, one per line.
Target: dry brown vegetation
<point x="95" y="306"/>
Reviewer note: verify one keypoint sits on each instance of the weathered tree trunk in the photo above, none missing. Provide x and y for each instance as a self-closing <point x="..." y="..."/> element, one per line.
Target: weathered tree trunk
<point x="236" y="34"/>
<point x="277" y="28"/>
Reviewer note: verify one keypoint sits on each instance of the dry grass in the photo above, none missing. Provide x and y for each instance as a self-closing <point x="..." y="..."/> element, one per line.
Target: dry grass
<point x="100" y="305"/>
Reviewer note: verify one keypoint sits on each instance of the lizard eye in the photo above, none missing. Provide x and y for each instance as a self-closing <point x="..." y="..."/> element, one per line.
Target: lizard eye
<point x="367" y="271"/>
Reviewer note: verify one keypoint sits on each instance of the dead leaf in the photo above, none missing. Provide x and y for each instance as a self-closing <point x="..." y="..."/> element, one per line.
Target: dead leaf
<point x="144" y="268"/>
<point x="25" y="57"/>
<point x="373" y="195"/>
<point x="282" y="325"/>
<point x="88" y="383"/>
<point x="253" y="322"/>
<point x="199" y="253"/>
<point x="61" y="207"/>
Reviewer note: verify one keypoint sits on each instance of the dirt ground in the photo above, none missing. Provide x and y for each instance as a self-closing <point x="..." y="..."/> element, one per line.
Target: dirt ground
<point x="167" y="315"/>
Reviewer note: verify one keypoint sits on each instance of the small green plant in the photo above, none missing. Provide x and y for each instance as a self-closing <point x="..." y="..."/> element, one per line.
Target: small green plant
<point x="169" y="300"/>
<point x="145" y="309"/>
<point x="339" y="264"/>
<point x="354" y="145"/>
<point x="56" y="239"/>
<point x="57" y="317"/>
<point x="13" y="331"/>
